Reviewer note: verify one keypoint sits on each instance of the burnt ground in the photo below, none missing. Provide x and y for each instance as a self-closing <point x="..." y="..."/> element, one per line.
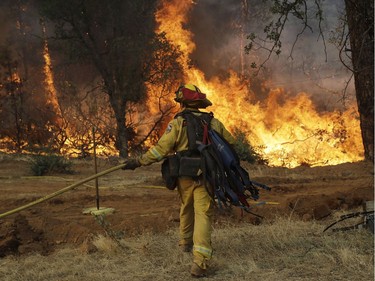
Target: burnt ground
<point x="142" y="204"/>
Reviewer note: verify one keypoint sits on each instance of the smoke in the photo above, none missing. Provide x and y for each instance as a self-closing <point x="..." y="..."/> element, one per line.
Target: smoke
<point x="216" y="35"/>
<point x="312" y="65"/>
<point x="216" y="26"/>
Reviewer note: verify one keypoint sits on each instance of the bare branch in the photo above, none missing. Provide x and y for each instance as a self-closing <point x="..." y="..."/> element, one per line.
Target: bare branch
<point x="274" y="30"/>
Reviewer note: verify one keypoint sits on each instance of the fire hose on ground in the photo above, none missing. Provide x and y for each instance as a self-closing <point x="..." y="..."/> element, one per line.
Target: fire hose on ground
<point x="70" y="187"/>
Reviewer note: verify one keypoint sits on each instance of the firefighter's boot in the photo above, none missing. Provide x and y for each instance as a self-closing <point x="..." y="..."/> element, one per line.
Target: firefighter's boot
<point x="198" y="272"/>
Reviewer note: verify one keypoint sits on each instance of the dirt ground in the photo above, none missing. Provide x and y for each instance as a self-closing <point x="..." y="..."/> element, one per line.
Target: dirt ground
<point x="142" y="204"/>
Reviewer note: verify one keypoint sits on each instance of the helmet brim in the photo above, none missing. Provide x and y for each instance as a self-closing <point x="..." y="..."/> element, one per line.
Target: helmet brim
<point x="192" y="98"/>
<point x="197" y="103"/>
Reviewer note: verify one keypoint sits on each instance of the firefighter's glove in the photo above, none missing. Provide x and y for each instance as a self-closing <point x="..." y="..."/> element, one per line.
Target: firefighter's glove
<point x="131" y="164"/>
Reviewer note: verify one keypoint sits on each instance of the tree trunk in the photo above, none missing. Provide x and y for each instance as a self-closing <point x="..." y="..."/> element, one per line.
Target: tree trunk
<point x="118" y="107"/>
<point x="360" y="17"/>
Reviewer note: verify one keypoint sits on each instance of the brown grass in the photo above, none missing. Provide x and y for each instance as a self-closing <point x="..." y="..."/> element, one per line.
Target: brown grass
<point x="283" y="250"/>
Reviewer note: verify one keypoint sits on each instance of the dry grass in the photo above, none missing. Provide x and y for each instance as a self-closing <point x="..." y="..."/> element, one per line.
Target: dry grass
<point x="285" y="250"/>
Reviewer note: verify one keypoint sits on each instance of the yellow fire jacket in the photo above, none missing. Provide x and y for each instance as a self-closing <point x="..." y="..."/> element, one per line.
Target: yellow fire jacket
<point x="175" y="139"/>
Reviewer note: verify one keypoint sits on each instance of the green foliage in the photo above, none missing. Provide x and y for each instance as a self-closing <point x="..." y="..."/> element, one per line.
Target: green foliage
<point x="46" y="164"/>
<point x="244" y="149"/>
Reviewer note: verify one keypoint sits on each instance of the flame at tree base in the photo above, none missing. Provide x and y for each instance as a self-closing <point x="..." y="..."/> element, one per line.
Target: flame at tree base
<point x="297" y="134"/>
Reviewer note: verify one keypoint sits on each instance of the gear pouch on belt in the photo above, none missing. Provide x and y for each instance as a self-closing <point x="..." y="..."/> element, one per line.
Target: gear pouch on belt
<point x="169" y="171"/>
<point x="189" y="166"/>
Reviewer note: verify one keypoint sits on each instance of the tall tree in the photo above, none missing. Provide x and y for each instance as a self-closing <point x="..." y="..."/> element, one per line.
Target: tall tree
<point x="11" y="100"/>
<point x="118" y="38"/>
<point x="360" y="19"/>
<point x="24" y="115"/>
<point x="360" y="22"/>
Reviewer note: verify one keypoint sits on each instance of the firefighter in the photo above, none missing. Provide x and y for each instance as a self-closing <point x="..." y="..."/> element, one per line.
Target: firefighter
<point x="196" y="210"/>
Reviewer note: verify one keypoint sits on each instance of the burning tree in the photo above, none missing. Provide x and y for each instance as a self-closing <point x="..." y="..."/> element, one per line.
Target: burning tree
<point x="27" y="121"/>
<point x="118" y="38"/>
<point x="12" y="101"/>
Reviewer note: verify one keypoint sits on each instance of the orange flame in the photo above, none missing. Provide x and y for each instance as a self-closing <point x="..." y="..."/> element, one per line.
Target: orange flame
<point x="286" y="134"/>
<point x="49" y="79"/>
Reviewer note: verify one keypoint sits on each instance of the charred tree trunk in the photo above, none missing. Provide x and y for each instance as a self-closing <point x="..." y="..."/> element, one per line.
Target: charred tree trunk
<point x="360" y="17"/>
<point x="16" y="104"/>
<point x="118" y="106"/>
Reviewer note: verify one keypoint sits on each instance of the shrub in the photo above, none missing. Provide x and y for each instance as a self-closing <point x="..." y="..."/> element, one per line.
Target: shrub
<point x="244" y="150"/>
<point x="46" y="164"/>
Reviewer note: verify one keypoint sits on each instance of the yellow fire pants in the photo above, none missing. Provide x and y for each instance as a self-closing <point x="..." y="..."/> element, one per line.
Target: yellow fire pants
<point x="196" y="218"/>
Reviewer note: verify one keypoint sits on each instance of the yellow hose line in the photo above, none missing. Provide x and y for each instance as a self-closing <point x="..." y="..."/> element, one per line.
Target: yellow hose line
<point x="47" y="197"/>
<point x="272" y="203"/>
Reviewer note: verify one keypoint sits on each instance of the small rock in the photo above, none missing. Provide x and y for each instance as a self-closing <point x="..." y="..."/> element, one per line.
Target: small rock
<point x="307" y="217"/>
